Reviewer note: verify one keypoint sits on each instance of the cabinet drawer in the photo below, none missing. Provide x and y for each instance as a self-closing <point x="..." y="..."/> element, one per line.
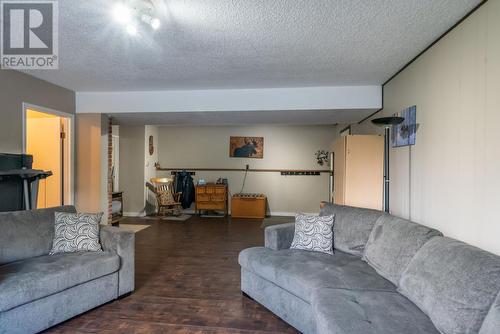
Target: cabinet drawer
<point x="211" y="205"/>
<point x="203" y="197"/>
<point x="218" y="198"/>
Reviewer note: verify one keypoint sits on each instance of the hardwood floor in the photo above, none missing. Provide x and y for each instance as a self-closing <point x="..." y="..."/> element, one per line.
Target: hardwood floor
<point x="187" y="281"/>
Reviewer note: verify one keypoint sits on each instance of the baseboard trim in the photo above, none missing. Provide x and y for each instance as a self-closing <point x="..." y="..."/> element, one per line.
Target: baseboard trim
<point x="134" y="214"/>
<point x="274" y="213"/>
<point x="191" y="212"/>
<point x="290" y="214"/>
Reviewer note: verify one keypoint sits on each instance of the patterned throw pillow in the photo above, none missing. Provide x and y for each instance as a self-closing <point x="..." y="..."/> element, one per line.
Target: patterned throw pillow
<point x="313" y="233"/>
<point x="76" y="232"/>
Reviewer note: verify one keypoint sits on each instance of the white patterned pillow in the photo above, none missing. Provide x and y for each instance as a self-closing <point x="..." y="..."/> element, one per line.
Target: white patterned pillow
<point x="76" y="232"/>
<point x="313" y="233"/>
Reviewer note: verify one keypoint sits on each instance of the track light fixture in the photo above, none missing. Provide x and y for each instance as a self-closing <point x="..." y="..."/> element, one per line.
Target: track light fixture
<point x="130" y="13"/>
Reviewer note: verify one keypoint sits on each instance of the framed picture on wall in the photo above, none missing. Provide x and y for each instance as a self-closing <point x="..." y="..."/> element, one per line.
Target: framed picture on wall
<point x="246" y="147"/>
<point x="405" y="134"/>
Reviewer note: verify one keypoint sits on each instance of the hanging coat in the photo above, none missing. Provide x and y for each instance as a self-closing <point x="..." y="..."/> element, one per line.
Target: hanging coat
<point x="185" y="184"/>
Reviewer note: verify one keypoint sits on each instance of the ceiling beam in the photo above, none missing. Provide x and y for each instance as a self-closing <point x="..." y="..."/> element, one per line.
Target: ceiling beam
<point x="304" y="98"/>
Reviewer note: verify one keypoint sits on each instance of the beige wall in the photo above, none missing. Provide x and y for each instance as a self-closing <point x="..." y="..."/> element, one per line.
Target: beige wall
<point x="88" y="162"/>
<point x="91" y="164"/>
<point x="285" y="147"/>
<point x="104" y="168"/>
<point x="450" y="180"/>
<point x="16" y="88"/>
<point x="132" y="171"/>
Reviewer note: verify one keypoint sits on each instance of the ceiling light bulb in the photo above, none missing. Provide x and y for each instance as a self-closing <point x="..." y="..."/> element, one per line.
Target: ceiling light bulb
<point x="155" y="23"/>
<point x="131" y="29"/>
<point x="122" y="13"/>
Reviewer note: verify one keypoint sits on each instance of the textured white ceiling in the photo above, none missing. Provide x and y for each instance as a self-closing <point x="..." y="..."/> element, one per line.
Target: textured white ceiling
<point x="285" y="117"/>
<point x="247" y="43"/>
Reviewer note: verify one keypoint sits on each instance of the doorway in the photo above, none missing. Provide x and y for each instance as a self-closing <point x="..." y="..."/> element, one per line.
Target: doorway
<point x="48" y="138"/>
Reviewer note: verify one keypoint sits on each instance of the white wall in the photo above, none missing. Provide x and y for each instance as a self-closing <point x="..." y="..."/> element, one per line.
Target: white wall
<point x="285" y="147"/>
<point x="451" y="178"/>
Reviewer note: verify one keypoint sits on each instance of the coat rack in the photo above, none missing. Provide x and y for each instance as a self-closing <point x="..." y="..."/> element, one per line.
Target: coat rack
<point x="285" y="172"/>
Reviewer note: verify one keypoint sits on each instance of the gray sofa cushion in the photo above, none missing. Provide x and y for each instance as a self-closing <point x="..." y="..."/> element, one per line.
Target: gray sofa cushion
<point x="300" y="272"/>
<point x="342" y="311"/>
<point x="121" y="242"/>
<point x="287" y="306"/>
<point x="491" y="324"/>
<point x="452" y="282"/>
<point x="27" y="280"/>
<point x="393" y="243"/>
<point x="352" y="226"/>
<point x="27" y="234"/>
<point x="279" y="236"/>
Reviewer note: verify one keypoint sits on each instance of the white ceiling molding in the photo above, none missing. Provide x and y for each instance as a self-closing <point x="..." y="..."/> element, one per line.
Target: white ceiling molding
<point x="307" y="98"/>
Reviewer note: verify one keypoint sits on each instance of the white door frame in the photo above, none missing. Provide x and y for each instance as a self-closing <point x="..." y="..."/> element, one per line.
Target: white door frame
<point x="71" y="139"/>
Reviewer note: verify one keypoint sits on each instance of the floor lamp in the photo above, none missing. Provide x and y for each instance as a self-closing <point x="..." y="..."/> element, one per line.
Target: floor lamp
<point x="386" y="123"/>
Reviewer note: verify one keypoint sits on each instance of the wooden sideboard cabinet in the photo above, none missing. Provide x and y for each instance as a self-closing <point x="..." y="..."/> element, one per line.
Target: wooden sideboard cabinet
<point x="211" y="196"/>
<point x="248" y="206"/>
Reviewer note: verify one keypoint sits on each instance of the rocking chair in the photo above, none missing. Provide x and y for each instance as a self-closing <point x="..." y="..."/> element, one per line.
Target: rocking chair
<point x="168" y="202"/>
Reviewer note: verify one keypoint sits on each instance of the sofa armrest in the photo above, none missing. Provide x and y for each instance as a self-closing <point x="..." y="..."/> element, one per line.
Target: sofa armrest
<point x="279" y="236"/>
<point x="114" y="239"/>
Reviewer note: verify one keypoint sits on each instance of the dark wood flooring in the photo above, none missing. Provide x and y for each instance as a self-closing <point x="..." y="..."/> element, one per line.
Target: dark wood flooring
<point x="187" y="281"/>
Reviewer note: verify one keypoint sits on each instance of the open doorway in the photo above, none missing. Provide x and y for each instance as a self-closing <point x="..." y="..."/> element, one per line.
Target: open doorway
<point x="48" y="138"/>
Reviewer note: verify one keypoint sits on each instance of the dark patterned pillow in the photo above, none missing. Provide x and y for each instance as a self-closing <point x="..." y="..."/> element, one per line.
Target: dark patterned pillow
<point x="313" y="233"/>
<point x="76" y="232"/>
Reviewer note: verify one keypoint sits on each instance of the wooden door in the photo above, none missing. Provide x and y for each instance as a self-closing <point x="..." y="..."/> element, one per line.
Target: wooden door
<point x="364" y="171"/>
<point x="43" y="141"/>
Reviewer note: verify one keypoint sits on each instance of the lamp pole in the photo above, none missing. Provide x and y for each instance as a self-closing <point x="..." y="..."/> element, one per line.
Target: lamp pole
<point x="387" y="151"/>
<point x="386" y="123"/>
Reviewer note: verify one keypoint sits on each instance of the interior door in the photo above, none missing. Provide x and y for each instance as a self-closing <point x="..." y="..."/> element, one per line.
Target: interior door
<point x="44" y="142"/>
<point x="364" y="171"/>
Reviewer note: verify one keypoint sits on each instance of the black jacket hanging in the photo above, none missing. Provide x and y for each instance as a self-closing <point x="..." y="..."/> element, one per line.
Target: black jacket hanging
<point x="184" y="183"/>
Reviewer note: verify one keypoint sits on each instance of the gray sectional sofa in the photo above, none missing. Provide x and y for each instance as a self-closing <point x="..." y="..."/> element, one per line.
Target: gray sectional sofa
<point x="387" y="275"/>
<point x="38" y="290"/>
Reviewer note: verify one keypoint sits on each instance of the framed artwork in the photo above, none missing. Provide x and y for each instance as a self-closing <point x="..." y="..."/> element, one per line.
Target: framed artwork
<point x="405" y="134"/>
<point x="151" y="145"/>
<point x="246" y="147"/>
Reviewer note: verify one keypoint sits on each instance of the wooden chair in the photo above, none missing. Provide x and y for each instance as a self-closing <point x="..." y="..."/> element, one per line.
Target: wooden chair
<point x="167" y="200"/>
